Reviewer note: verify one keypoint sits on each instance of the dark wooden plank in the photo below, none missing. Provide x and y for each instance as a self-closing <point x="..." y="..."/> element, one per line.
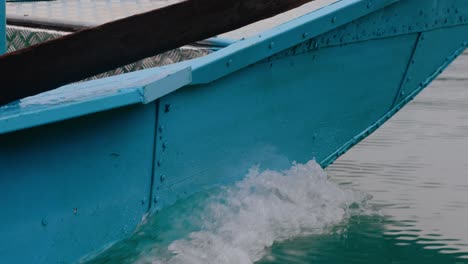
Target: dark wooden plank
<point x="96" y="50"/>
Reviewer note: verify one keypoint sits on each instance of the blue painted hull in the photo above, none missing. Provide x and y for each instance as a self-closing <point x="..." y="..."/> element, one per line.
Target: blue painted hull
<point x="309" y="89"/>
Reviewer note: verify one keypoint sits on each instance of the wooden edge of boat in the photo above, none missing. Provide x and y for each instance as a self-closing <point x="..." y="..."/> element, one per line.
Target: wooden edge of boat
<point x="91" y="51"/>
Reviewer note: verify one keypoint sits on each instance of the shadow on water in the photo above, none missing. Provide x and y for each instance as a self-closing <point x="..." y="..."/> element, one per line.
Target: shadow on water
<point x="364" y="239"/>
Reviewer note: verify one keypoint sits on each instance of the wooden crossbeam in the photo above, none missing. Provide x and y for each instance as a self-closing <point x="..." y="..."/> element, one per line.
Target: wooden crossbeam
<point x="92" y="51"/>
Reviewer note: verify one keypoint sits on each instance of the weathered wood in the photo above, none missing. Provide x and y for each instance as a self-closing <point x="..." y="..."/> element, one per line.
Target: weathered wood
<point x="96" y="50"/>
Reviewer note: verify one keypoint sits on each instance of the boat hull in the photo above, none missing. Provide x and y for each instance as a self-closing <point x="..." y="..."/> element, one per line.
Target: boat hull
<point x="96" y="174"/>
<point x="310" y="89"/>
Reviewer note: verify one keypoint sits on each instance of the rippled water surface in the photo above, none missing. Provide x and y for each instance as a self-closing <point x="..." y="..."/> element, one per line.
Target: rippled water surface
<point x="400" y="196"/>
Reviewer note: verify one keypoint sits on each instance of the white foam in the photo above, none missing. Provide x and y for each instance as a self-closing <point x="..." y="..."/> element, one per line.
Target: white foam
<point x="242" y="221"/>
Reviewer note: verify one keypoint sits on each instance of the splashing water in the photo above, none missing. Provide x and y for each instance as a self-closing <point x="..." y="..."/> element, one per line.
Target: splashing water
<point x="236" y="224"/>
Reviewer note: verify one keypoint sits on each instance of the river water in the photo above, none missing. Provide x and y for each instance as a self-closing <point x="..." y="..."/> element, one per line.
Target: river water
<point x="400" y="196"/>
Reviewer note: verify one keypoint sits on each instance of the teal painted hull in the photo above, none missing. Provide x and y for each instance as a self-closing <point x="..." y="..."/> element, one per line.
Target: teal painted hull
<point x="79" y="173"/>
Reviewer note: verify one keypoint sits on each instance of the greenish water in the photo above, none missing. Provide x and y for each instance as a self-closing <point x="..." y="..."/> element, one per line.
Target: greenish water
<point x="362" y="239"/>
<point x="400" y="196"/>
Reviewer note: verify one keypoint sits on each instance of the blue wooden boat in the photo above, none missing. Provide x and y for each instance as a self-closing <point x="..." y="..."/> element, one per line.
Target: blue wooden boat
<point x="82" y="165"/>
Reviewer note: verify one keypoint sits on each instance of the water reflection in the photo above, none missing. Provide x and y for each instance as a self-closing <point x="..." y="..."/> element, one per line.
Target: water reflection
<point x="366" y="239"/>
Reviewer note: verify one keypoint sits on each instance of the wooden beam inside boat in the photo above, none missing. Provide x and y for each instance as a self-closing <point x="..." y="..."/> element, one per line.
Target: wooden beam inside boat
<point x="88" y="52"/>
